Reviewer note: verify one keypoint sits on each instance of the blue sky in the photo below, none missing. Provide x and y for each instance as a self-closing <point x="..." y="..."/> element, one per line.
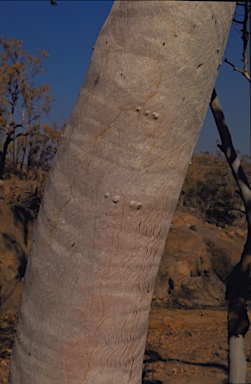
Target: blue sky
<point x="69" y="31"/>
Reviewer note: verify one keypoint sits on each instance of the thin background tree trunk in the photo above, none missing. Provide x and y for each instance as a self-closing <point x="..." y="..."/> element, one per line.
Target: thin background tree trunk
<point x="239" y="280"/>
<point x="112" y="192"/>
<point x="3" y="156"/>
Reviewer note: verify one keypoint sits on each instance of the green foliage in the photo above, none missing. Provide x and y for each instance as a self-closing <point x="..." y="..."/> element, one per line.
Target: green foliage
<point x="22" y="103"/>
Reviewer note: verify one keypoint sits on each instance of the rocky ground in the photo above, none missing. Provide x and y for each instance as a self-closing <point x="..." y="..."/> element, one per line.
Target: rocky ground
<point x="7" y="333"/>
<point x="184" y="346"/>
<point x="187" y="335"/>
<point x="188" y="346"/>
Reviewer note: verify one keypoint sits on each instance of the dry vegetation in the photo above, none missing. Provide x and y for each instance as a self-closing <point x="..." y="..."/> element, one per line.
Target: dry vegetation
<point x="210" y="191"/>
<point x="183" y="346"/>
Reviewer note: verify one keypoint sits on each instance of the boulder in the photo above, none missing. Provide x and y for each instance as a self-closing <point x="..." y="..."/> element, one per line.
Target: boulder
<point x="16" y="227"/>
<point x="196" y="261"/>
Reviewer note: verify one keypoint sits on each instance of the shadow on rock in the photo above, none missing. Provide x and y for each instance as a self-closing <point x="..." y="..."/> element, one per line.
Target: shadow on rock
<point x="16" y="228"/>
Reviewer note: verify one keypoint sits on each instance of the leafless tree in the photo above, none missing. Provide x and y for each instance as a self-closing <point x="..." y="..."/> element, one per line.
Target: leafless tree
<point x="238" y="285"/>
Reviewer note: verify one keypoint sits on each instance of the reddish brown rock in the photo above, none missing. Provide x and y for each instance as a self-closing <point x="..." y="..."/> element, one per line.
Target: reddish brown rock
<point x="196" y="262"/>
<point x="197" y="259"/>
<point x="16" y="225"/>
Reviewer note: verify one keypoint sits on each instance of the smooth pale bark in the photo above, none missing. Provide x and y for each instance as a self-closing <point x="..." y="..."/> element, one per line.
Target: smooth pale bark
<point x="237" y="360"/>
<point x="112" y="192"/>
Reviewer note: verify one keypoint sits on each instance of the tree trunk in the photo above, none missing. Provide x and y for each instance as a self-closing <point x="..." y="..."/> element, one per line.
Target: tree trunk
<point x="112" y="192"/>
<point x="239" y="280"/>
<point x="237" y="359"/>
<point x="8" y="140"/>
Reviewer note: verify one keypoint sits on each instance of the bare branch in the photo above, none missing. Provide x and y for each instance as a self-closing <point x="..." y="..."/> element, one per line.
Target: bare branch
<point x="229" y="151"/>
<point x="245" y="37"/>
<point x="243" y="72"/>
<point x="237" y="21"/>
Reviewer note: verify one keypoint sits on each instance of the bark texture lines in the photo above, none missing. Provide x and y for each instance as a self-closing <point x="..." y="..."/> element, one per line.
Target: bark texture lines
<point x="112" y="192"/>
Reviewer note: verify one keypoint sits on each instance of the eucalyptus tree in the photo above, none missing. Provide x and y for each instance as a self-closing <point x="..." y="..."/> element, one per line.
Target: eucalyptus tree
<point x="112" y="192"/>
<point x="22" y="103"/>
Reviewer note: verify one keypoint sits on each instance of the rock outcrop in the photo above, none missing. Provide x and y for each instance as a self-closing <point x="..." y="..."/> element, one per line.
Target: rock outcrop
<point x="16" y="227"/>
<point x="196" y="262"/>
<point x="197" y="259"/>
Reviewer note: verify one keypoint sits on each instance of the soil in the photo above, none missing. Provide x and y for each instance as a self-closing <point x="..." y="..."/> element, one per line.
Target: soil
<point x="188" y="346"/>
<point x="7" y="333"/>
<point x="184" y="346"/>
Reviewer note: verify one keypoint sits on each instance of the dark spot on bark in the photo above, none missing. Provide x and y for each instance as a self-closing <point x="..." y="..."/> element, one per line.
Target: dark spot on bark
<point x="97" y="79"/>
<point x="72" y="245"/>
<point x="199" y="66"/>
<point x="238" y="321"/>
<point x="163" y="43"/>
